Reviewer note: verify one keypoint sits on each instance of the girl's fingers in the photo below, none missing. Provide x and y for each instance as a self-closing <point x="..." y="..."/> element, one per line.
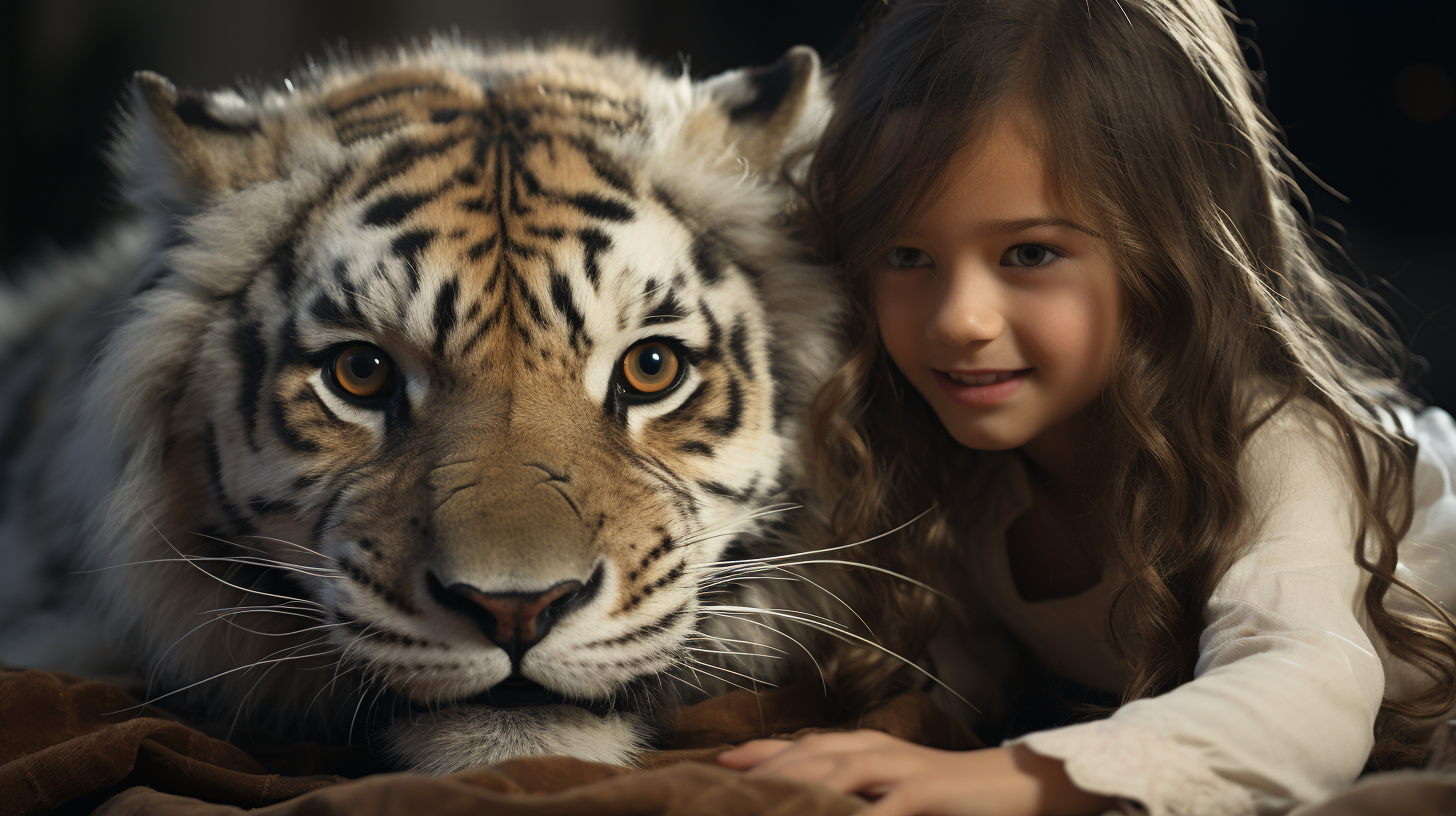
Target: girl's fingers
<point x="813" y="747"/>
<point x="750" y="754"/>
<point x="865" y="772"/>
<point x="868" y="772"/>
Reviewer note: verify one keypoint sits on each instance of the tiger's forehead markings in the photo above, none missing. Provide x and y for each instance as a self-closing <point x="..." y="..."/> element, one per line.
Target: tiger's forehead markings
<point x="667" y="310"/>
<point x="516" y="213"/>
<point x="491" y="144"/>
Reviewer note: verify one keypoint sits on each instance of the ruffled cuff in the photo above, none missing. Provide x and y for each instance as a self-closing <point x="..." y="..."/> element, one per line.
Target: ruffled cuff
<point x="1145" y="770"/>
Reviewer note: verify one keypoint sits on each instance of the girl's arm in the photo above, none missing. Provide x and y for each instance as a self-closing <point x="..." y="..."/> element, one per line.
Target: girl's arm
<point x="1287" y="684"/>
<point x="912" y="779"/>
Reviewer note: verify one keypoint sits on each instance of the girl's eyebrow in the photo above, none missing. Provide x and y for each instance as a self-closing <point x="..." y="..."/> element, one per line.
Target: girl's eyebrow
<point x="1020" y="224"/>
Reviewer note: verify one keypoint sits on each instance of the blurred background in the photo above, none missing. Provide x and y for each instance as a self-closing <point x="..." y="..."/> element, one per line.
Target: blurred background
<point x="1364" y="93"/>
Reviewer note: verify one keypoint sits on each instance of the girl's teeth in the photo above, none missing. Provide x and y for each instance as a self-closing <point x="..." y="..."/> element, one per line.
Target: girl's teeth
<point x="981" y="379"/>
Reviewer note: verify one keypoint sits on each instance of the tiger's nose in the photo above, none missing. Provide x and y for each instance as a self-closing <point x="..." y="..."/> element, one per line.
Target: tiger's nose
<point x="514" y="621"/>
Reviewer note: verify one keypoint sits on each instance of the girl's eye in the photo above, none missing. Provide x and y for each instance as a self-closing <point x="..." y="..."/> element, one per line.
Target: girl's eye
<point x="908" y="258"/>
<point x="363" y="371"/>
<point x="1029" y="255"/>
<point x="650" y="368"/>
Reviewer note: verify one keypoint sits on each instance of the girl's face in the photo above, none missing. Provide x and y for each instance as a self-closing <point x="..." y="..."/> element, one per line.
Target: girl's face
<point x="998" y="306"/>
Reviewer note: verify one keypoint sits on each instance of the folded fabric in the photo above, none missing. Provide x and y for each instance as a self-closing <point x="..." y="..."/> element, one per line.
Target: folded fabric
<point x="78" y="745"/>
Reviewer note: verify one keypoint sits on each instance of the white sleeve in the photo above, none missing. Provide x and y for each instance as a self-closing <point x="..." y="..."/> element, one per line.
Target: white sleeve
<point x="1287" y="685"/>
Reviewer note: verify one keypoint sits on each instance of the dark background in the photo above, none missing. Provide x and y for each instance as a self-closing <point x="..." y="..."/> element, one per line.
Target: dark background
<point x="1364" y="93"/>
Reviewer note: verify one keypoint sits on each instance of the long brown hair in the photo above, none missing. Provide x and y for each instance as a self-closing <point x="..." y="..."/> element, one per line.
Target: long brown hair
<point x="1151" y="124"/>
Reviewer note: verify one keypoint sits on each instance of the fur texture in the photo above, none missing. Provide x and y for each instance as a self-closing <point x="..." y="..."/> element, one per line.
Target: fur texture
<point x="511" y="546"/>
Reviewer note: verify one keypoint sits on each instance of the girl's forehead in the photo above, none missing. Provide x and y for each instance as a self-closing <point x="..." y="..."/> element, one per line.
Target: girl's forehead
<point x="1012" y="148"/>
<point x="1000" y="166"/>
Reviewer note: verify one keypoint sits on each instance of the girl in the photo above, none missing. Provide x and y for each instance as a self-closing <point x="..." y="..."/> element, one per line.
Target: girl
<point x="1167" y="450"/>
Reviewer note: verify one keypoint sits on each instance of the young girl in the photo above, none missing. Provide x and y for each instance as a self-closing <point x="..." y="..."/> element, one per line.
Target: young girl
<point x="1166" y="449"/>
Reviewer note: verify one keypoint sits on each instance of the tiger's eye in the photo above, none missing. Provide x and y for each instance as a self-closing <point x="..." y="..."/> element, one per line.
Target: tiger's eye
<point x="650" y="367"/>
<point x="362" y="370"/>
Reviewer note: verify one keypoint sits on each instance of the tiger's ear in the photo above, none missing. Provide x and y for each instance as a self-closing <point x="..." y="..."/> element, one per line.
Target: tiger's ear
<point x="774" y="108"/>
<point x="187" y="145"/>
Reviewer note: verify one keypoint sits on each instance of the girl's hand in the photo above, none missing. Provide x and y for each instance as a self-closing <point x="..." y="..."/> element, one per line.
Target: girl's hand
<point x="912" y="779"/>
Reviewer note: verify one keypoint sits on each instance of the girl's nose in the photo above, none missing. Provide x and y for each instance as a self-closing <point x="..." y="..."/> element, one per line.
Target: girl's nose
<point x="969" y="311"/>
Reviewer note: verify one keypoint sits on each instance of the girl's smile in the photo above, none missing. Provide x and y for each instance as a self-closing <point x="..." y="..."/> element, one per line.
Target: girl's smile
<point x="983" y="387"/>
<point x="999" y="308"/>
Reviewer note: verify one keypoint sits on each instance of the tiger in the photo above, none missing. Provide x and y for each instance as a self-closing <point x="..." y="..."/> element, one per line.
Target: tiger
<point x="453" y="395"/>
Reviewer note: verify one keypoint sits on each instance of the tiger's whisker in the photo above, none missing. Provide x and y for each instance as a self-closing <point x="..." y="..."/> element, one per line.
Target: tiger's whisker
<point x="732" y="653"/>
<point x="822" y="679"/>
<point x="842" y="634"/>
<point x="771" y="558"/>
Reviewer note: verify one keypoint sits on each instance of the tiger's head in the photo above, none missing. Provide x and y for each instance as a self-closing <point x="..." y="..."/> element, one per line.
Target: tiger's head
<point x="450" y="379"/>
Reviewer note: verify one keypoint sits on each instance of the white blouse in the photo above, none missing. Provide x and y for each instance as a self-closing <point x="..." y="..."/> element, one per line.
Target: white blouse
<point x="1288" y="682"/>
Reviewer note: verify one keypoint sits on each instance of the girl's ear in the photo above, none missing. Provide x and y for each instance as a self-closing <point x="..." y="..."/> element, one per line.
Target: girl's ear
<point x="186" y="146"/>
<point x="772" y="109"/>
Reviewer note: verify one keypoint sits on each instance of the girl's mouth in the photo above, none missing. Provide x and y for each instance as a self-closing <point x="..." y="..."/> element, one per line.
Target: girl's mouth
<point x="980" y="388"/>
<point x="982" y="379"/>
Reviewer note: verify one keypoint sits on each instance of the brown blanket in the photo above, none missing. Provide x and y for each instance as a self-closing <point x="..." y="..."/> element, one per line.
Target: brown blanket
<point x="63" y="748"/>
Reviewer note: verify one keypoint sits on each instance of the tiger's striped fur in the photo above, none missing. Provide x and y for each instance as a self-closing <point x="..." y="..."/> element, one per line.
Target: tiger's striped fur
<point x="500" y="227"/>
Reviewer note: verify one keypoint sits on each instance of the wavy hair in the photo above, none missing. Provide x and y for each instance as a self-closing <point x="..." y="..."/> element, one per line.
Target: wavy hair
<point x="1151" y="125"/>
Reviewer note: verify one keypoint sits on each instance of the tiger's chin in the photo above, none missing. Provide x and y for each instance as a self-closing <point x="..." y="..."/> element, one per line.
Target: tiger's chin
<point x="520" y="720"/>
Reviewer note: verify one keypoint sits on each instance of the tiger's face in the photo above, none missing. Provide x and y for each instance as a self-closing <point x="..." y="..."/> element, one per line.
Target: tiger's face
<point x="455" y="378"/>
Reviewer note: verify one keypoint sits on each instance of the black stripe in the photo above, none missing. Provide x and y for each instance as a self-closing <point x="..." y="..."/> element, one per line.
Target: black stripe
<point x="780" y="376"/>
<point x="388" y="93"/>
<point x="285" y="256"/>
<point x="561" y="299"/>
<point x="695" y="447"/>
<point x="306" y="393"/>
<point x="731" y="421"/>
<point x="705" y="258"/>
<point x="445" y="316"/>
<point x="607" y="168"/>
<point x="552" y="234"/>
<point x="236" y="522"/>
<point x="285" y="259"/>
<point x="324" y="523"/>
<point x="408" y="246"/>
<point x="658" y="626"/>
<point x="286" y="433"/>
<point x="715" y="333"/>
<point x="602" y="208"/>
<point x="688" y="407"/>
<point x="670" y="204"/>
<point x="253" y="362"/>
<point x="478" y="249"/>
<point x="329" y="312"/>
<point x="533" y="306"/>
<point x="191" y="108"/>
<point x="367" y="127"/>
<point x="271" y="507"/>
<point x="480" y="332"/>
<point x="392" y="209"/>
<point x="594" y="242"/>
<point x="738" y="347"/>
<point x="400" y="158"/>
<point x="718" y="489"/>
<point x="666" y="311"/>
